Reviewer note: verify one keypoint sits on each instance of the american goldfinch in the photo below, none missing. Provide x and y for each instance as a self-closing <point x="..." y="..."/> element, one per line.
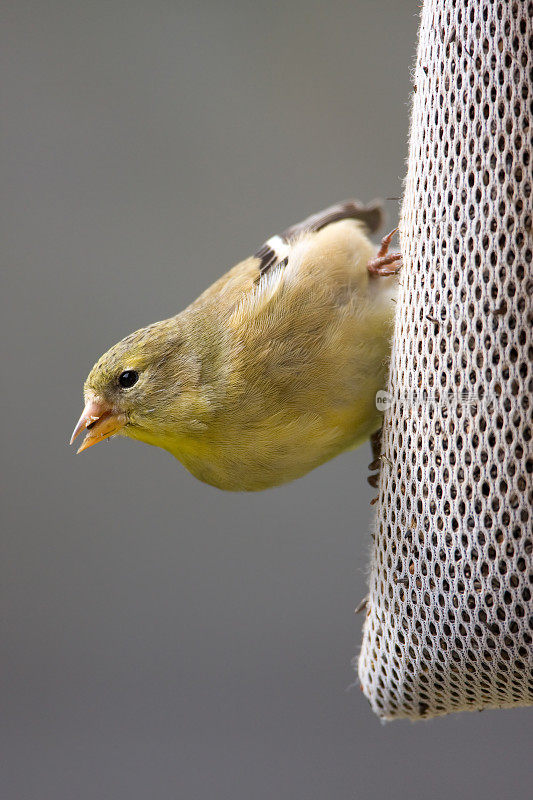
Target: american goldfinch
<point x="271" y="371"/>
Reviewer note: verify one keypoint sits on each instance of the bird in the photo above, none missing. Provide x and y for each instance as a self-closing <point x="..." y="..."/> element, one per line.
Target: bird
<point x="273" y="370"/>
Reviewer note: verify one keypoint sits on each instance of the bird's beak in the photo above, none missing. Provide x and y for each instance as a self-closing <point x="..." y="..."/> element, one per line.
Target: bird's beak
<point x="100" y="419"/>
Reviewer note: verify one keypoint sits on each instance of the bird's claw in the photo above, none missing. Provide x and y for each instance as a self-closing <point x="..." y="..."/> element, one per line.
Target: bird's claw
<point x="385" y="263"/>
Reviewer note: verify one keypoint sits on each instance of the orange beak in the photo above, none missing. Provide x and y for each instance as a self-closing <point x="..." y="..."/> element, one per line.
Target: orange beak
<point x="99" y="418"/>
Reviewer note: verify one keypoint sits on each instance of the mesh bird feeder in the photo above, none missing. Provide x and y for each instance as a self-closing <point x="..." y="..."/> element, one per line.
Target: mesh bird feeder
<point x="449" y="623"/>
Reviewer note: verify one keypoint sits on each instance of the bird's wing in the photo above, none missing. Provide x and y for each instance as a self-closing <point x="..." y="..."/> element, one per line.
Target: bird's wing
<point x="275" y="251"/>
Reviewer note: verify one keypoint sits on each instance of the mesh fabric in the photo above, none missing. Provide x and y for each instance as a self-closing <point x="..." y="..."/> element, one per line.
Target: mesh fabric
<point x="449" y="622"/>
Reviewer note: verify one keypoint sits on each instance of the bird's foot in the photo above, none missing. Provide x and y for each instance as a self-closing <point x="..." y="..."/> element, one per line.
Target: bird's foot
<point x="385" y="263"/>
<point x="375" y="464"/>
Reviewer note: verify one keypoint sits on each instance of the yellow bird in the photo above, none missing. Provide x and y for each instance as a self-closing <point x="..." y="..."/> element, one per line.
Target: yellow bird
<point x="271" y="371"/>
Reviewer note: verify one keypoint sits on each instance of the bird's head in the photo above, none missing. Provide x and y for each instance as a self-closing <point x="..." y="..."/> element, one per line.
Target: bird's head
<point x="147" y="387"/>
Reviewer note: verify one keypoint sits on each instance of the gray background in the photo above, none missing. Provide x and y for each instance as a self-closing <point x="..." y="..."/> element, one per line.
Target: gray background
<point x="161" y="639"/>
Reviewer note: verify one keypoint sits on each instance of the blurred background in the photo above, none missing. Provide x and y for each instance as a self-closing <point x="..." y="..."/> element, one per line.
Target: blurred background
<point x="162" y="639"/>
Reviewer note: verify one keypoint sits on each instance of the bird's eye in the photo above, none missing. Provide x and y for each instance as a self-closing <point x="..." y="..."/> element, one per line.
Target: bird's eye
<point x="127" y="378"/>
